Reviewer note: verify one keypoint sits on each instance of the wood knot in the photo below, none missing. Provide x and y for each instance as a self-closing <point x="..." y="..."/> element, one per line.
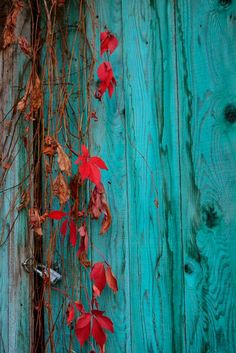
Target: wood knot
<point x="225" y="3"/>
<point x="230" y="113"/>
<point x="188" y="269"/>
<point x="210" y="216"/>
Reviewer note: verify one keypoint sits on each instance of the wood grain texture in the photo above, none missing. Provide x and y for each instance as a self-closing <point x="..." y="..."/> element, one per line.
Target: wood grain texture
<point x="15" y="241"/>
<point x="206" y="51"/>
<point x="170" y="126"/>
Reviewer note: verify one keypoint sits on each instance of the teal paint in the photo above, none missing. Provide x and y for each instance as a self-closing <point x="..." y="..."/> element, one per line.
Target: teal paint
<point x="16" y="240"/>
<point x="170" y="126"/>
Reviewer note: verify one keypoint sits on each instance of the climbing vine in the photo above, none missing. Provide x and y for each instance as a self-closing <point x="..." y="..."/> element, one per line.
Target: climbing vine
<point x="57" y="118"/>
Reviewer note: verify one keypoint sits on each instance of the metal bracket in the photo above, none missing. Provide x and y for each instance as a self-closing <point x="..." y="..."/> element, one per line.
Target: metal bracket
<point x="41" y="270"/>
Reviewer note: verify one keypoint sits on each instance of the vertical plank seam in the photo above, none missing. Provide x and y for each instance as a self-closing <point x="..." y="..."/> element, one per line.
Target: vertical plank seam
<point x="175" y="8"/>
<point x="127" y="183"/>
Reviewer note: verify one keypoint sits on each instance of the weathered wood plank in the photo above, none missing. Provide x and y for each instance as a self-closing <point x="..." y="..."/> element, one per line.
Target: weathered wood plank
<point x="206" y="54"/>
<point x="155" y="244"/>
<point x="108" y="140"/>
<point x="16" y="325"/>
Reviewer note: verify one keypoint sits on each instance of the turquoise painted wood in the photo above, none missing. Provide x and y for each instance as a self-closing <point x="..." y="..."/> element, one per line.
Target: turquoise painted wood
<point x="16" y="240"/>
<point x="167" y="134"/>
<point x="170" y="126"/>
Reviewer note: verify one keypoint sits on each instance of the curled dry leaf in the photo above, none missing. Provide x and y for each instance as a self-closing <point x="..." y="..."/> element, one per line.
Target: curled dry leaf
<point x="50" y="146"/>
<point x="33" y="96"/>
<point x="84" y="239"/>
<point x="83" y="259"/>
<point x="36" y="220"/>
<point x="36" y="94"/>
<point x="98" y="205"/>
<point x="63" y="160"/>
<point x="25" y="46"/>
<point x="111" y="279"/>
<point x="61" y="189"/>
<point x="9" y="36"/>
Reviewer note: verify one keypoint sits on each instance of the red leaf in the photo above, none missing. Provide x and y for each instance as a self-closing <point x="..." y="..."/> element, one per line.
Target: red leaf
<point x="108" y="42"/>
<point x="79" y="306"/>
<point x="98" y="276"/>
<point x="82" y="328"/>
<point x="70" y="314"/>
<point x="95" y="174"/>
<point x="111" y="279"/>
<point x="85" y="151"/>
<point x="56" y="215"/>
<point x="99" y="162"/>
<point x="107" y="80"/>
<point x="64" y="226"/>
<point x="89" y="167"/>
<point x="73" y="233"/>
<point x="105" y="322"/>
<point x="98" y="333"/>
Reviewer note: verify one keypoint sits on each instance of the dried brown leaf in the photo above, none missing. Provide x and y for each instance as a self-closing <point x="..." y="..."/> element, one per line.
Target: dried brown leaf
<point x="36" y="94"/>
<point x="98" y="205"/>
<point x="84" y="260"/>
<point x="61" y="189"/>
<point x="9" y="36"/>
<point x="35" y="221"/>
<point x="63" y="160"/>
<point x="111" y="279"/>
<point x="50" y="146"/>
<point x="25" y="46"/>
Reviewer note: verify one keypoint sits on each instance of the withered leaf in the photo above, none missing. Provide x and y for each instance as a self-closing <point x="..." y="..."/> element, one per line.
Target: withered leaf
<point x="36" y="94"/>
<point x="84" y="260"/>
<point x="36" y="220"/>
<point x="63" y="160"/>
<point x="111" y="279"/>
<point x="61" y="189"/>
<point x="98" y="205"/>
<point x="25" y="46"/>
<point x="50" y="146"/>
<point x="9" y="36"/>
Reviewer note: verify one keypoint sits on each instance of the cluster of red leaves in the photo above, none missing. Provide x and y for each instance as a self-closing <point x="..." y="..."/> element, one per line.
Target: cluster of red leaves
<point x="90" y="166"/>
<point x="102" y="275"/>
<point x="108" y="43"/>
<point x="89" y="324"/>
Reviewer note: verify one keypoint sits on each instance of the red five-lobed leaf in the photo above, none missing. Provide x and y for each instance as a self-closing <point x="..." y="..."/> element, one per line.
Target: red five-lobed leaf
<point x="82" y="328"/>
<point x="98" y="276"/>
<point x="108" y="42"/>
<point x="90" y="166"/>
<point x="107" y="80"/>
<point x="98" y="321"/>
